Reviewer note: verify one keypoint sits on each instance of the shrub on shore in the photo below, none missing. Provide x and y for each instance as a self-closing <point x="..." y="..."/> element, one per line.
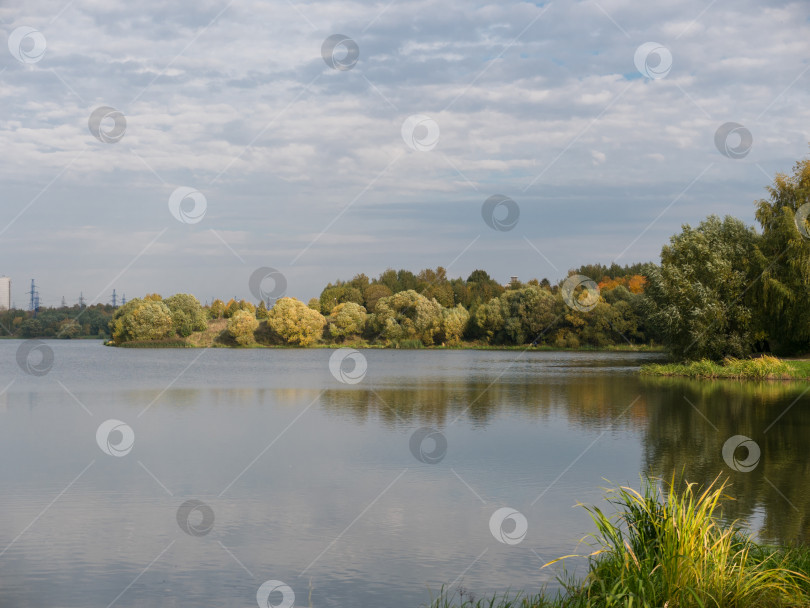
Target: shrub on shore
<point x="241" y="327"/>
<point x="760" y="368"/>
<point x="295" y="323"/>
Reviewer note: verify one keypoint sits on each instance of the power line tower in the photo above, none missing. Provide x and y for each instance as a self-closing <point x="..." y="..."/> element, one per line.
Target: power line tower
<point x="124" y="300"/>
<point x="64" y="302"/>
<point x="114" y="300"/>
<point x="33" y="305"/>
<point x="81" y="299"/>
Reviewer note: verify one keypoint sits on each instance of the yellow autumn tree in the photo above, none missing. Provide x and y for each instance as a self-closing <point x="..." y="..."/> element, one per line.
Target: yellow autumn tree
<point x="241" y="327"/>
<point x="295" y="323"/>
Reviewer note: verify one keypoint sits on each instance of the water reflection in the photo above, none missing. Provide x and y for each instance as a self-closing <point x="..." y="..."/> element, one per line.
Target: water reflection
<point x="691" y="420"/>
<point x="591" y="403"/>
<point x="683" y="425"/>
<point x="288" y="458"/>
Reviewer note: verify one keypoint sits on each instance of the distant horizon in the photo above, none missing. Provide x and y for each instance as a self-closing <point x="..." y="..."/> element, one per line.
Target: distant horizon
<point x="120" y="295"/>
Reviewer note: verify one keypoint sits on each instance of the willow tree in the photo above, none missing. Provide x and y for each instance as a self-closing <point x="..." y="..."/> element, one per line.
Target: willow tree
<point x="784" y="260"/>
<point x="698" y="300"/>
<point x="407" y="315"/>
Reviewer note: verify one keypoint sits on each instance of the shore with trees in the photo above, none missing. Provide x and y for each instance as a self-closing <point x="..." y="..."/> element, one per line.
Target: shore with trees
<point x="723" y="290"/>
<point x="399" y="309"/>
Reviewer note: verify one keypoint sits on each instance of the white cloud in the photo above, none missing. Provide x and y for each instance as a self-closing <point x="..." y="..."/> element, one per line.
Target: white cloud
<point x="243" y="108"/>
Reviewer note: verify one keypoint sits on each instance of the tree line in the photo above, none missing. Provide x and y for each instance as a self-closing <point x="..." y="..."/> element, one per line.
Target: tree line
<point x="722" y="289"/>
<point x="62" y="322"/>
<point x="400" y="308"/>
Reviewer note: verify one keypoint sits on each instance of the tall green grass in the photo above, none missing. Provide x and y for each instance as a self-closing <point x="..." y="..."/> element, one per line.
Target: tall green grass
<point x="670" y="549"/>
<point x="760" y="368"/>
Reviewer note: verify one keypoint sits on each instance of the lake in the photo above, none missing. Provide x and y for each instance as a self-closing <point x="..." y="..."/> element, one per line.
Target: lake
<point x="135" y="477"/>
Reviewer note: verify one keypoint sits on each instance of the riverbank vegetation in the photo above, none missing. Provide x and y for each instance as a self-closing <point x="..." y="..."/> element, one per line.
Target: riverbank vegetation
<point x="670" y="548"/>
<point x="400" y="309"/>
<point x="722" y="291"/>
<point x="62" y="322"/>
<point x="759" y="368"/>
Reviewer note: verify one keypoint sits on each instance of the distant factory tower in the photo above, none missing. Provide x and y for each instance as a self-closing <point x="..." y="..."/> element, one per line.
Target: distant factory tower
<point x="5" y="293"/>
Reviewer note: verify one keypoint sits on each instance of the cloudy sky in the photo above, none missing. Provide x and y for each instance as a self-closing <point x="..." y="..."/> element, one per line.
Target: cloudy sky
<point x="299" y="155"/>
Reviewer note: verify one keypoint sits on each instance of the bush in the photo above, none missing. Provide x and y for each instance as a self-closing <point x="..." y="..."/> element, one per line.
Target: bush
<point x="295" y="323"/>
<point x="142" y="320"/>
<point x="454" y="324"/>
<point x="241" y="327"/>
<point x="347" y="319"/>
<point x="407" y="315"/>
<point x="187" y="313"/>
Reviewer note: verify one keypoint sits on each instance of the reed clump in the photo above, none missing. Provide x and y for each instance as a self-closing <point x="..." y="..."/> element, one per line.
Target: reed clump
<point x="670" y="549"/>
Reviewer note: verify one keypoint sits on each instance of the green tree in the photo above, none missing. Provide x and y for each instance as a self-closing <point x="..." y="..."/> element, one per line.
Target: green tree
<point x="407" y="315"/>
<point x="783" y="258"/>
<point x="261" y="311"/>
<point x="480" y="288"/>
<point x="696" y="298"/>
<point x="141" y="320"/>
<point x="347" y="319"/>
<point x="434" y="284"/>
<point x="230" y="308"/>
<point x="332" y="295"/>
<point x="389" y="279"/>
<point x="373" y="293"/>
<point x="187" y="313"/>
<point x="241" y="327"/>
<point x="517" y="316"/>
<point x="314" y="304"/>
<point x="217" y="309"/>
<point x="454" y="323"/>
<point x="31" y="328"/>
<point x="295" y="323"/>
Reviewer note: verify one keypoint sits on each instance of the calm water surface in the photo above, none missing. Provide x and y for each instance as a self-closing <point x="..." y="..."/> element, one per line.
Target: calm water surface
<point x="313" y="483"/>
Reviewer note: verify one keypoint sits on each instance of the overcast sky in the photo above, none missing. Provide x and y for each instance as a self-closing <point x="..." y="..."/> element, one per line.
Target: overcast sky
<point x="301" y="157"/>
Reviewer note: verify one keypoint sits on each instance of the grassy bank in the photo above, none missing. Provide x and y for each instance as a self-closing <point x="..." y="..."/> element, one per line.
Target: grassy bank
<point x="761" y="368"/>
<point x="669" y="549"/>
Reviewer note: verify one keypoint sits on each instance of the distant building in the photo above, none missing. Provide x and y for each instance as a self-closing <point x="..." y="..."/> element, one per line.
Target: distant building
<point x="5" y="293"/>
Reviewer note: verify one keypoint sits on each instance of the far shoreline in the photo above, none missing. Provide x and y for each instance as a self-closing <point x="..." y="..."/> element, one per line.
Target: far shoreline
<point x="181" y="344"/>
